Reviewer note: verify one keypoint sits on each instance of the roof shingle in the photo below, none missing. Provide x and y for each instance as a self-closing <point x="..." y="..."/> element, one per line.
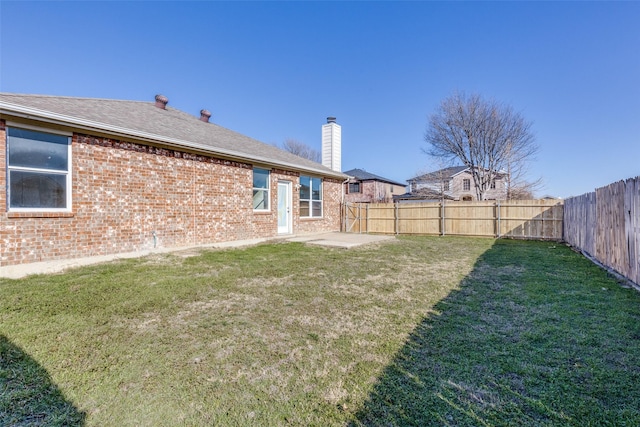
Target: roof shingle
<point x="145" y="120"/>
<point x="363" y="175"/>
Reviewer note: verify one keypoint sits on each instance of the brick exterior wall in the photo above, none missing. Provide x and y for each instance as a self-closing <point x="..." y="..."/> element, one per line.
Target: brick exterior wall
<point x="129" y="197"/>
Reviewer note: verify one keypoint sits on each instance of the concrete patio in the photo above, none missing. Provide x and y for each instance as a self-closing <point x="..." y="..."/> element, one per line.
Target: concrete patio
<point x="331" y="239"/>
<point x="340" y="240"/>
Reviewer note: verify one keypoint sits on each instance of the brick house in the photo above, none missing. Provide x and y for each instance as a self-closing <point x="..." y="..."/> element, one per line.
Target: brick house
<point x="366" y="187"/>
<point x="83" y="177"/>
<point x="454" y="183"/>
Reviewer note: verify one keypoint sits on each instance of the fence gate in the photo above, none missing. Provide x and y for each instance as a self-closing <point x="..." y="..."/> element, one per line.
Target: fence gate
<point x="355" y="218"/>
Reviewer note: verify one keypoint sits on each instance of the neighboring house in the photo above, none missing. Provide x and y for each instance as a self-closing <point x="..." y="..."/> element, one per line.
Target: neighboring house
<point x="367" y="187"/>
<point x="454" y="183"/>
<point x="85" y="177"/>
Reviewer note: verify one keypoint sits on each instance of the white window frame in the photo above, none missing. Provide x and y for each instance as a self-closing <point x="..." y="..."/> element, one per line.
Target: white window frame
<point x="466" y="184"/>
<point x="68" y="174"/>
<point x="267" y="190"/>
<point x="310" y="200"/>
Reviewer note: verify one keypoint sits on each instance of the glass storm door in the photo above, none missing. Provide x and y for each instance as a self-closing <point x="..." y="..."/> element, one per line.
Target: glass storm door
<point x="284" y="207"/>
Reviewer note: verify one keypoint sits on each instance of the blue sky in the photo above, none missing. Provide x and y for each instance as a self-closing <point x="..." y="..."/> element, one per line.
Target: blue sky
<point x="276" y="70"/>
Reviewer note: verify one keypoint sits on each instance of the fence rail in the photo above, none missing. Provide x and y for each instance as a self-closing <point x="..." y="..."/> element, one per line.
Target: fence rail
<point x="526" y="219"/>
<point x="605" y="224"/>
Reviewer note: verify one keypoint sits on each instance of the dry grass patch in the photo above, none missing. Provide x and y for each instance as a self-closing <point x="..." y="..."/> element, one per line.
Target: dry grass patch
<point x="288" y="334"/>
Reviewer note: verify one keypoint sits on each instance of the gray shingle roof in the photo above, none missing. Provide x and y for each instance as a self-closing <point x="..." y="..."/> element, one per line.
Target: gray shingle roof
<point x="363" y="175"/>
<point x="445" y="173"/>
<point x="144" y="120"/>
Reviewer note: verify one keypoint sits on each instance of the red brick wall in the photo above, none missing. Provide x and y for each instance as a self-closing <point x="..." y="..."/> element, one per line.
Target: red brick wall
<point x="128" y="197"/>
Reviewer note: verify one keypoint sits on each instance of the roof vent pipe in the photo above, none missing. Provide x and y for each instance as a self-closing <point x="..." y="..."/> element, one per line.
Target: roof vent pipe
<point x="162" y="101"/>
<point x="205" y="115"/>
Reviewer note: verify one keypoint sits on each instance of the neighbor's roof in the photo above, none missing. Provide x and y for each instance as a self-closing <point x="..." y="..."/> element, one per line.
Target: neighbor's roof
<point x="424" y="194"/>
<point x="445" y="173"/>
<point x="448" y="173"/>
<point x="144" y="121"/>
<point x="363" y="175"/>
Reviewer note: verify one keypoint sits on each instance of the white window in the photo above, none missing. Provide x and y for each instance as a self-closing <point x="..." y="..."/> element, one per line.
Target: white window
<point x="261" y="189"/>
<point x="38" y="170"/>
<point x="310" y="197"/>
<point x="466" y="184"/>
<point x="446" y="185"/>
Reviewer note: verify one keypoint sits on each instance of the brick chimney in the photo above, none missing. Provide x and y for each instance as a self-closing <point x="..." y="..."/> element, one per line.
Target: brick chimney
<point x="332" y="145"/>
<point x="162" y="101"/>
<point x="205" y="115"/>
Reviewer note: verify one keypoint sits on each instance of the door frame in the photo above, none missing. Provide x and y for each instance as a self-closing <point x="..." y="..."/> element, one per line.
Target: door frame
<point x="288" y="229"/>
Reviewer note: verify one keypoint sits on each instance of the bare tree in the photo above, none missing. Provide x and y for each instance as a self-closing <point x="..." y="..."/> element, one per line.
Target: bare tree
<point x="301" y="149"/>
<point x="518" y="187"/>
<point x="486" y="136"/>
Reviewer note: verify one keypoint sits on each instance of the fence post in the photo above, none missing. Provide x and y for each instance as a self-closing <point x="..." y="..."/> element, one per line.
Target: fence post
<point x="498" y="218"/>
<point x="395" y="226"/>
<point x="542" y="221"/>
<point x="346" y="218"/>
<point x="367" y="221"/>
<point x="442" y="216"/>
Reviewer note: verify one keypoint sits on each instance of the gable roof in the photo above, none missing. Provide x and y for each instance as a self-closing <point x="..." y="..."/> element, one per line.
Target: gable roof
<point x="362" y="175"/>
<point x="146" y="122"/>
<point x="446" y="173"/>
<point x="424" y="194"/>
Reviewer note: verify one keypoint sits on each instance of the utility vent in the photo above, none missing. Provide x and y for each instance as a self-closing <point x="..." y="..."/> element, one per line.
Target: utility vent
<point x="162" y="101"/>
<point x="205" y="115"/>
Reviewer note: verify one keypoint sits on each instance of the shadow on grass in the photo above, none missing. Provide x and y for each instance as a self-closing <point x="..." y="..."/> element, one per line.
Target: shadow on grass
<point x="28" y="397"/>
<point x="535" y="335"/>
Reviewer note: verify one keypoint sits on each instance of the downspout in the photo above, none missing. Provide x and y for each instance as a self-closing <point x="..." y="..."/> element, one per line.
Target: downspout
<point x="343" y="193"/>
<point x="344" y="206"/>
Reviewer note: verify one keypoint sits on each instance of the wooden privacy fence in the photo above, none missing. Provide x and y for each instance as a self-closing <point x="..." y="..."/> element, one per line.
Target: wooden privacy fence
<point x="526" y="219"/>
<point x="605" y="224"/>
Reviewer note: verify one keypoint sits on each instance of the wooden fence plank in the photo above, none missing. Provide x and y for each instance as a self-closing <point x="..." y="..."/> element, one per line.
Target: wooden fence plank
<point x="606" y="225"/>
<point x="527" y="219"/>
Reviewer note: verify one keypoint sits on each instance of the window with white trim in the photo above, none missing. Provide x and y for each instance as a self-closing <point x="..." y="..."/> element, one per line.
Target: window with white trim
<point x="310" y="197"/>
<point x="38" y="170"/>
<point x="466" y="184"/>
<point x="261" y="184"/>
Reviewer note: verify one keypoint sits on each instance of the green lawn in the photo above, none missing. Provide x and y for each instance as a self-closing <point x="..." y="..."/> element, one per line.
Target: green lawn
<point x="421" y="331"/>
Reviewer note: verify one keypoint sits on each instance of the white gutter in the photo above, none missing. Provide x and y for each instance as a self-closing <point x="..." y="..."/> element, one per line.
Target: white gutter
<point x="75" y="122"/>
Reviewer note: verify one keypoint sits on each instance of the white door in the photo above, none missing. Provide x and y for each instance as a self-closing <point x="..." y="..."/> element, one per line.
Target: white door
<point x="284" y="207"/>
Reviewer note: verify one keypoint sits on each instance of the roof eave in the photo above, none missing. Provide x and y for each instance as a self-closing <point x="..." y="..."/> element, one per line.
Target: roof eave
<point x="458" y="173"/>
<point x="89" y="125"/>
<point x="385" y="181"/>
